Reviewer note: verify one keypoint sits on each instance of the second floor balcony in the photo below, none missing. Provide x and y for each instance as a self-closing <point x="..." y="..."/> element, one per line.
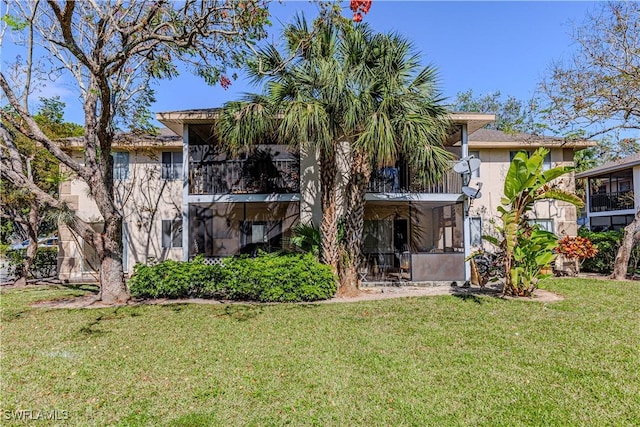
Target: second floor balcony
<point x="260" y="172"/>
<point x="400" y="179"/>
<point x="275" y="170"/>
<point x="615" y="201"/>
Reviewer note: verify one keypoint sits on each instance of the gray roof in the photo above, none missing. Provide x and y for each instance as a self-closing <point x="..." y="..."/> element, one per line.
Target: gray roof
<point x="625" y="163"/>
<point x="164" y="137"/>
<point x="490" y="138"/>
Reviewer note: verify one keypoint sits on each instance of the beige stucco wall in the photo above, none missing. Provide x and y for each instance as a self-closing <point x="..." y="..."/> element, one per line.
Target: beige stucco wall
<point x="147" y="200"/>
<point x="493" y="170"/>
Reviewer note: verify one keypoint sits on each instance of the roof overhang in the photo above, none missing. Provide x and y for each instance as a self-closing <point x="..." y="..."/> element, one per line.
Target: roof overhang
<point x="175" y="120"/>
<point x="533" y="143"/>
<point x="602" y="170"/>
<point x="473" y="121"/>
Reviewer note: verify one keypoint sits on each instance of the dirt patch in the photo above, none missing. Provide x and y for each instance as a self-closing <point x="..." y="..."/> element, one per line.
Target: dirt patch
<point x="366" y="294"/>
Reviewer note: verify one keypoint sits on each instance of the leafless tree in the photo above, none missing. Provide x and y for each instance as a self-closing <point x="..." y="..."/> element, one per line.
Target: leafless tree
<point x="112" y="51"/>
<point x="597" y="92"/>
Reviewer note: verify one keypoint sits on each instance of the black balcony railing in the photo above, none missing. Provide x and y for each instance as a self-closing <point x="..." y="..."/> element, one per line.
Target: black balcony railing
<point x="611" y="201"/>
<point x="244" y="177"/>
<point x="400" y="180"/>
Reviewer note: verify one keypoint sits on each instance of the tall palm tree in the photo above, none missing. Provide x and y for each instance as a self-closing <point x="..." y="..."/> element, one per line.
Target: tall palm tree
<point x="397" y="111"/>
<point x="303" y="103"/>
<point x="335" y="82"/>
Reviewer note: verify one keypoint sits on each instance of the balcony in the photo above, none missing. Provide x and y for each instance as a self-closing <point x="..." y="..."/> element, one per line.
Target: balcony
<point x="401" y="180"/>
<point x="618" y="201"/>
<point x="244" y="177"/>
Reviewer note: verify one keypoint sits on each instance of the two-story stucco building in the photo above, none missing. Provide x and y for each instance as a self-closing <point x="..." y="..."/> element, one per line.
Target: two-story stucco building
<point x="183" y="196"/>
<point x="613" y="193"/>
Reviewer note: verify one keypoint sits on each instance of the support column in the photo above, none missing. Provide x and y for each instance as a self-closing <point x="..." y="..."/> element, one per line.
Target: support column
<point x="185" y="192"/>
<point x="465" y="209"/>
<point x="636" y="187"/>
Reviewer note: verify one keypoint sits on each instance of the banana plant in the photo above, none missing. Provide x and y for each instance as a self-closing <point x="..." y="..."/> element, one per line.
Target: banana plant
<point x="528" y="249"/>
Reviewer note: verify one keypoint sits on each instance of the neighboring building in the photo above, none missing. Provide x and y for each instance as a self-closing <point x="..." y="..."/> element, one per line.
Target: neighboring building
<point x="183" y="196"/>
<point x="613" y="193"/>
<point x="496" y="150"/>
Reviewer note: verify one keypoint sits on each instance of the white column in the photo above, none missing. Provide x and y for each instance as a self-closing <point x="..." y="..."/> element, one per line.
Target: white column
<point x="185" y="193"/>
<point x="465" y="209"/>
<point x="636" y="187"/>
<point x="587" y="192"/>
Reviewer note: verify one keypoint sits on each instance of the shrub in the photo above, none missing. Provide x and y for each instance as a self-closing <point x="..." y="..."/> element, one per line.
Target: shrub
<point x="607" y="243"/>
<point x="175" y="279"/>
<point x="266" y="278"/>
<point x="45" y="263"/>
<point x="578" y="247"/>
<point x="279" y="278"/>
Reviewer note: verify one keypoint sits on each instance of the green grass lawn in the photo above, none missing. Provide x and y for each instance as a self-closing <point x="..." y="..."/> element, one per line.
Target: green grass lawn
<point x="441" y="360"/>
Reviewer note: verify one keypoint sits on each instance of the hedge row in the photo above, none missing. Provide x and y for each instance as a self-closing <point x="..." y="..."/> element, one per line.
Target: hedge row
<point x="265" y="278"/>
<point x="44" y="264"/>
<point x="607" y="243"/>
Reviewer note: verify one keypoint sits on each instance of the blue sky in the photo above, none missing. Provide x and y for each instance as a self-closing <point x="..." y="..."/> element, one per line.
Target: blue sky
<point x="484" y="46"/>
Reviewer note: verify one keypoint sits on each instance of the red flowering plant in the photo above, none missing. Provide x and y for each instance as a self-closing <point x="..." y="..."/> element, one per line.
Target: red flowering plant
<point x="579" y="248"/>
<point x="359" y="7"/>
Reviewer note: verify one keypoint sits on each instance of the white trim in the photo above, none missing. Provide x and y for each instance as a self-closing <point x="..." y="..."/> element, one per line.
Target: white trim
<point x="612" y="213"/>
<point x="636" y="186"/>
<point x="466" y="222"/>
<point x="414" y="197"/>
<point x="241" y="198"/>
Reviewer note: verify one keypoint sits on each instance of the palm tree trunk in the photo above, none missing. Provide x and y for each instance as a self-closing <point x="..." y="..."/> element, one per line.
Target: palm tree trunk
<point x="354" y="223"/>
<point x="329" y="250"/>
<point x="631" y="238"/>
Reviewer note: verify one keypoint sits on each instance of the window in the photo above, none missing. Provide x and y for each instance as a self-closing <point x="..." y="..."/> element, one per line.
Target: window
<point x="171" y="233"/>
<point x="476" y="231"/>
<point x="172" y="165"/>
<point x="120" y="165"/>
<point x="260" y="235"/>
<point x="544" y="224"/>
<point x="476" y="173"/>
<point x="546" y="163"/>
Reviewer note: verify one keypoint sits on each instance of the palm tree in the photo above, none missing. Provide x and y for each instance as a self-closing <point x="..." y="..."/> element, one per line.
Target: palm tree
<point x="302" y="105"/>
<point x="397" y="110"/>
<point x="338" y="83"/>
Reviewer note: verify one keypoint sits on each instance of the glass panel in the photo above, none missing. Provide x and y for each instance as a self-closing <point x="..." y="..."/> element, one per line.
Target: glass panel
<point x="476" y="231"/>
<point x="258" y="233"/>
<point x="176" y="232"/>
<point x="120" y="165"/>
<point x="224" y="229"/>
<point x="544" y="224"/>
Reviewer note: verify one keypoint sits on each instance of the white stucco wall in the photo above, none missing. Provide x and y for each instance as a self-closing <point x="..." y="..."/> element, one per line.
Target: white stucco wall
<point x="147" y="200"/>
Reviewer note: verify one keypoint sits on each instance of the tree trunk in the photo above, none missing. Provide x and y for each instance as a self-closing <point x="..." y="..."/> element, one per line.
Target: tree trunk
<point x="329" y="250"/>
<point x="630" y="239"/>
<point x="113" y="288"/>
<point x="354" y="224"/>
<point x="32" y="248"/>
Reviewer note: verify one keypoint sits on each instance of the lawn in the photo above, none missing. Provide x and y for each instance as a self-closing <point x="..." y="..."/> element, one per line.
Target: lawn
<point x="442" y="360"/>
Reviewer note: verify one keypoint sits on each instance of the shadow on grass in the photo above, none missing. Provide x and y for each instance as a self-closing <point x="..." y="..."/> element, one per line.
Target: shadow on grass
<point x="85" y="287"/>
<point x="93" y="328"/>
<point x="241" y="312"/>
<point x="468" y="298"/>
<point x="10" y="315"/>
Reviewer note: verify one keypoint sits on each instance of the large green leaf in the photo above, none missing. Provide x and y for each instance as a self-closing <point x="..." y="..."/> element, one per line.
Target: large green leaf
<point x="561" y="195"/>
